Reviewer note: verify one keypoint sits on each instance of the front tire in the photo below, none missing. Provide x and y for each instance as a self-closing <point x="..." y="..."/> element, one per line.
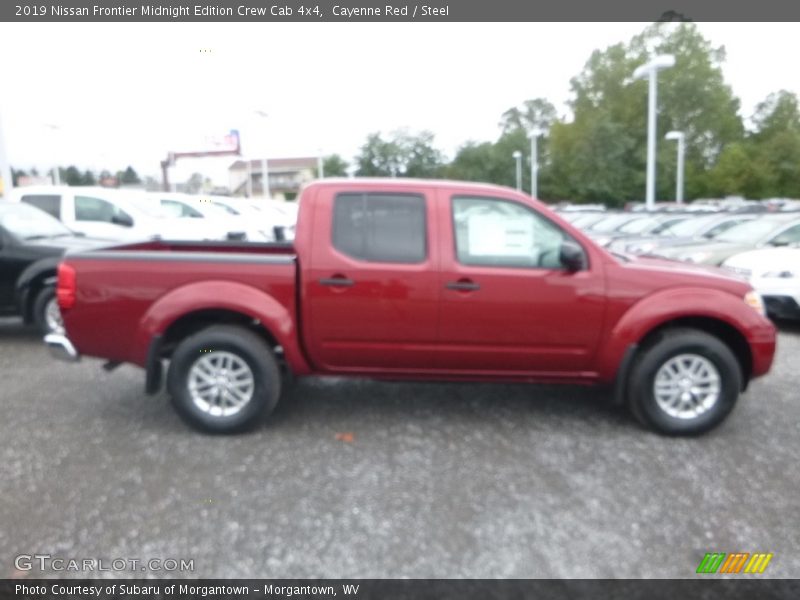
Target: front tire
<point x="685" y="382"/>
<point x="46" y="313"/>
<point x="223" y="379"/>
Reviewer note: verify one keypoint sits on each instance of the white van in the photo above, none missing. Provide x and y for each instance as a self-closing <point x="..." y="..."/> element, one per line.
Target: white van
<point x="224" y="223"/>
<point x="111" y="214"/>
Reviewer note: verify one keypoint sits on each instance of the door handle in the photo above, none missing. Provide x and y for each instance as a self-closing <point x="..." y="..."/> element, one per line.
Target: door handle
<point x="463" y="285"/>
<point x="337" y="281"/>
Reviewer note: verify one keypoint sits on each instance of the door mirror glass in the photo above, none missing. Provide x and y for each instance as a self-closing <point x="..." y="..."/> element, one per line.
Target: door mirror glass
<point x="572" y="256"/>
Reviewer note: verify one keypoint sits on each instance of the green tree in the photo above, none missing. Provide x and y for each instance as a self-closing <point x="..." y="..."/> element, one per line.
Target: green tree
<point x="402" y="155"/>
<point x="693" y="98"/>
<point x="88" y="178"/>
<point x="535" y="114"/>
<point x="334" y="166"/>
<point x="71" y="176"/>
<point x="128" y="176"/>
<point x="775" y="145"/>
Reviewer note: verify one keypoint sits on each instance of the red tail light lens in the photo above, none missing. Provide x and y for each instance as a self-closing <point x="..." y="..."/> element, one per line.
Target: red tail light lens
<point x="65" y="289"/>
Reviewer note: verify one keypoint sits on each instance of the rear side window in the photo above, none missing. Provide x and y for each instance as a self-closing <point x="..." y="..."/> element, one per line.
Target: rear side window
<point x="49" y="203"/>
<point x="387" y="228"/>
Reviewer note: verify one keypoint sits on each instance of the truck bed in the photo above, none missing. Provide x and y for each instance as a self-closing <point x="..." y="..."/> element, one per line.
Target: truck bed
<point x="126" y="292"/>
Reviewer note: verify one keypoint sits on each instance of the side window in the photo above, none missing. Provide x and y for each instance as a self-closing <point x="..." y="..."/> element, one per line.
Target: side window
<point x="179" y="209"/>
<point x="51" y="204"/>
<point x="380" y="227"/>
<point x="790" y="236"/>
<point x="500" y="233"/>
<point x="99" y="210"/>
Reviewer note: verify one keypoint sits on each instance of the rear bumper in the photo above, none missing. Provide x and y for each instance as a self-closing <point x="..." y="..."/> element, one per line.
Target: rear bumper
<point x="61" y="348"/>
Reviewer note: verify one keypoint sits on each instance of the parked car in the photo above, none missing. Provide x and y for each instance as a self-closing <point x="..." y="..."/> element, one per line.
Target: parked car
<point x="685" y="232"/>
<point x="274" y="222"/>
<point x="605" y="232"/>
<point x="110" y="214"/>
<point x="412" y="279"/>
<point x="205" y="210"/>
<point x="31" y="246"/>
<point x="775" y="274"/>
<point x="773" y="229"/>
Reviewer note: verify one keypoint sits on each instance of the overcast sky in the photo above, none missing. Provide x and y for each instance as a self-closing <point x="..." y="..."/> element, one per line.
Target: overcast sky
<point x="112" y="94"/>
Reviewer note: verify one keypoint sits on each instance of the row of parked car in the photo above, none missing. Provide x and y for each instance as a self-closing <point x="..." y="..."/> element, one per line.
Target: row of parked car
<point x="38" y="224"/>
<point x="764" y="248"/>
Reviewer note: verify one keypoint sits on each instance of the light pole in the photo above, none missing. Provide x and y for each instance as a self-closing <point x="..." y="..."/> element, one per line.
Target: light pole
<point x="264" y="166"/>
<point x="5" y="166"/>
<point x="649" y="70"/>
<point x="680" y="137"/>
<point x="320" y="166"/>
<point x="518" y="157"/>
<point x="535" y="162"/>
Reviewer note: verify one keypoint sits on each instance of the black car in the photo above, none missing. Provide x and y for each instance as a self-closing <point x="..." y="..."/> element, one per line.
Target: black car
<point x="31" y="246"/>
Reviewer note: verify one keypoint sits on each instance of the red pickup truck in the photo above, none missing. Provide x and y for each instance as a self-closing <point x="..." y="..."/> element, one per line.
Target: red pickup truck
<point x="419" y="280"/>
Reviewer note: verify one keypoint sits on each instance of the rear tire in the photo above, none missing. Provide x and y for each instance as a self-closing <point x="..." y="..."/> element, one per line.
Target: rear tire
<point x="685" y="382"/>
<point x="224" y="379"/>
<point x="45" y="312"/>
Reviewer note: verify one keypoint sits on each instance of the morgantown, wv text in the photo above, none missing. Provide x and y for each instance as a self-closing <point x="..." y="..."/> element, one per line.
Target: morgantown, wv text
<point x="182" y="589"/>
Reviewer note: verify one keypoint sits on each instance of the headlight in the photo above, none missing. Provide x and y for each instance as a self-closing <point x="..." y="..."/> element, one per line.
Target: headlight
<point x="781" y="274"/>
<point x="695" y="257"/>
<point x="754" y="301"/>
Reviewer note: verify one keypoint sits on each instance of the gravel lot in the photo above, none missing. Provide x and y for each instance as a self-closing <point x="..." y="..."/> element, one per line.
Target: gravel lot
<point x="438" y="480"/>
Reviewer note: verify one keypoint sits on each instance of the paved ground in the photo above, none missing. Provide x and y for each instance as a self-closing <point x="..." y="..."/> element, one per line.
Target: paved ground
<point x="438" y="480"/>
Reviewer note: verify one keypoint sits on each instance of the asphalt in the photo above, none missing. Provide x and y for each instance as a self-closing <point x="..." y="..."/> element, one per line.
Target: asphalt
<point x="366" y="479"/>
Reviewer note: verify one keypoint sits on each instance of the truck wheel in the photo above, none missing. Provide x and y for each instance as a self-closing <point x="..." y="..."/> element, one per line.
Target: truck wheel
<point x="223" y="379"/>
<point x="46" y="314"/>
<point x="684" y="383"/>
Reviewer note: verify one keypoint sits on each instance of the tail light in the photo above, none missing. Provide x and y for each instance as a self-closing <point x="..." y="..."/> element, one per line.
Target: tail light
<point x="66" y="287"/>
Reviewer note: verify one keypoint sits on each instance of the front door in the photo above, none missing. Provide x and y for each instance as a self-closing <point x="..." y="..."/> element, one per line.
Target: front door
<point x="508" y="305"/>
<point x="371" y="292"/>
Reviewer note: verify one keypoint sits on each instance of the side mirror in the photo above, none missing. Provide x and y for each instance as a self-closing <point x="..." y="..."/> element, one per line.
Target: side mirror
<point x="572" y="256"/>
<point x="122" y="219"/>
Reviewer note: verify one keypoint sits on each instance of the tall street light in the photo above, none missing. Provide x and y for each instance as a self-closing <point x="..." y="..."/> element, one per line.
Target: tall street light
<point x="649" y="70"/>
<point x="535" y="162"/>
<point x="518" y="157"/>
<point x="679" y="136"/>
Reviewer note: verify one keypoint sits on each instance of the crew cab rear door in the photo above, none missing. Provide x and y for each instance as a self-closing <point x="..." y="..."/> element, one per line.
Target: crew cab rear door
<point x="507" y="304"/>
<point x="370" y="294"/>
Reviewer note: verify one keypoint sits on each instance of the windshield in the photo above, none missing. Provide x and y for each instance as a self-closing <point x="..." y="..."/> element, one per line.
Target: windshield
<point x="228" y="209"/>
<point x="686" y="227"/>
<point x="750" y="232"/>
<point x="28" y="223"/>
<point x="610" y="223"/>
<point x="639" y="225"/>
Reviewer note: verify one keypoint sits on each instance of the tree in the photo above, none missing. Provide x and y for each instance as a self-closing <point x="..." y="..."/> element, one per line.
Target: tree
<point x="88" y="178"/>
<point x="194" y="184"/>
<point x="693" y="98"/>
<point x="334" y="166"/>
<point x="536" y="114"/>
<point x="71" y="176"/>
<point x="402" y="155"/>
<point x="128" y="176"/>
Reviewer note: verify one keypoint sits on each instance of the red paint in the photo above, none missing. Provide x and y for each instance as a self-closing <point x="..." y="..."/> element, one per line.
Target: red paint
<point x="400" y="320"/>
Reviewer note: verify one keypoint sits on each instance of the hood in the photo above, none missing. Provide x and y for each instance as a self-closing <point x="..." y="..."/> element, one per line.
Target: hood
<point x="765" y="260"/>
<point x="663" y="273"/>
<point x="703" y="252"/>
<point x="52" y="246"/>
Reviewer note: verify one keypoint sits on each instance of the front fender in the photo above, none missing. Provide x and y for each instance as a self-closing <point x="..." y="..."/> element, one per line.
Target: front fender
<point x="279" y="320"/>
<point x="686" y="302"/>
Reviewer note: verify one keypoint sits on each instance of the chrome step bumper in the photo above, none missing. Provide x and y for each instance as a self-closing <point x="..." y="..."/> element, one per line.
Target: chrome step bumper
<point x="61" y="348"/>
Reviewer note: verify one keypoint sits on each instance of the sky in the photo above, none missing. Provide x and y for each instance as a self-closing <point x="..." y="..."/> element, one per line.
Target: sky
<point x="106" y="95"/>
